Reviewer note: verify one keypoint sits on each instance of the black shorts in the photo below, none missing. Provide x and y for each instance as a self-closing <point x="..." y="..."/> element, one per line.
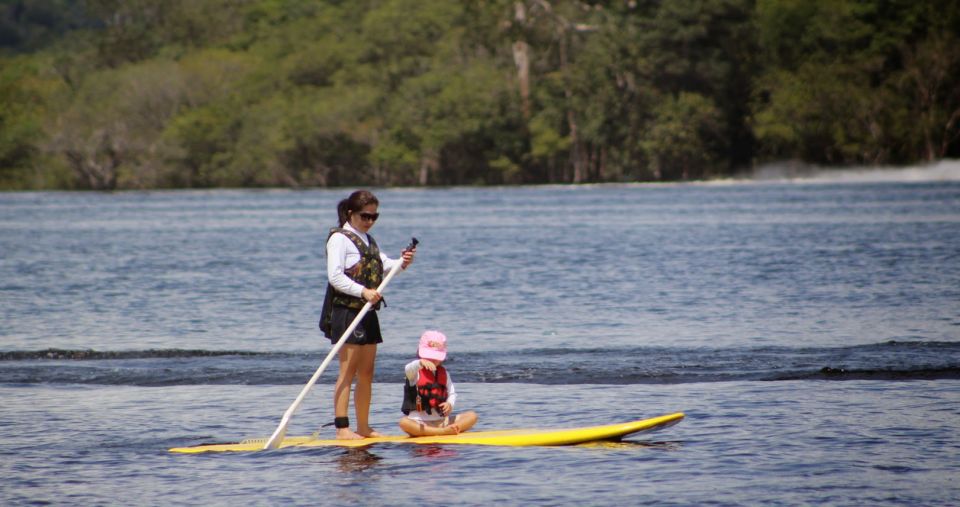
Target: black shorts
<point x="367" y="331"/>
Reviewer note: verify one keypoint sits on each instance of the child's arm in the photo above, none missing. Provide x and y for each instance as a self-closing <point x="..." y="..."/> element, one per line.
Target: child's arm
<point x="412" y="371"/>
<point x="451" y="392"/>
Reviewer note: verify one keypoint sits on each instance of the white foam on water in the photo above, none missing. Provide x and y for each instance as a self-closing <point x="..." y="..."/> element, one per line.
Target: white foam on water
<point x="941" y="171"/>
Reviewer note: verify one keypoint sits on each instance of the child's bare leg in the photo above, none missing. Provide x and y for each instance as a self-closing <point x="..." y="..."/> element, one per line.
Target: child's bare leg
<point x="419" y="429"/>
<point x="464" y="421"/>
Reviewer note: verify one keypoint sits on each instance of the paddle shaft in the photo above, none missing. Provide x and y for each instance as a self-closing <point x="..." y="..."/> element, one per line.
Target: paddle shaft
<point x="281" y="430"/>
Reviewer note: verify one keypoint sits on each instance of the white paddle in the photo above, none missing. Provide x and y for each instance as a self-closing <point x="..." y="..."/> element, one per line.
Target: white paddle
<point x="281" y="430"/>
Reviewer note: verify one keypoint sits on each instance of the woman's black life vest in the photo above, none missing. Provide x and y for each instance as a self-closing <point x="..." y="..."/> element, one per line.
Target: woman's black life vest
<point x="427" y="395"/>
<point x="368" y="271"/>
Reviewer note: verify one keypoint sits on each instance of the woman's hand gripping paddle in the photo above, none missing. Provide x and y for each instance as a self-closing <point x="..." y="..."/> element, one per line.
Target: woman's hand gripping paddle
<point x="281" y="430"/>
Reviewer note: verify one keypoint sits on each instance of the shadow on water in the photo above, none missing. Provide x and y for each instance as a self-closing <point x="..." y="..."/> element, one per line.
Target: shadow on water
<point x="357" y="460"/>
<point x="360" y="459"/>
<point x="434" y="452"/>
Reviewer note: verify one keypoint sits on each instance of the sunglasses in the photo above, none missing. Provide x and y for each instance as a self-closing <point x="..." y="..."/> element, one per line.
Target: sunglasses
<point x="370" y="217"/>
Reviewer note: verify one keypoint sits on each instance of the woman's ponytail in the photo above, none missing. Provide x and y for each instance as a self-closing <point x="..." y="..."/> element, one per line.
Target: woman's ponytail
<point x="343" y="212"/>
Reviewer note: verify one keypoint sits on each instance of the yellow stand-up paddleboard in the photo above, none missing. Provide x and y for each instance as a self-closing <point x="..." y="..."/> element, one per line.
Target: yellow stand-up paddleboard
<point x="520" y="437"/>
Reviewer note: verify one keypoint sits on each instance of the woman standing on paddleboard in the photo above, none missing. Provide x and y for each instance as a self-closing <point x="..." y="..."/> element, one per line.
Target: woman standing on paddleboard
<point x="355" y="267"/>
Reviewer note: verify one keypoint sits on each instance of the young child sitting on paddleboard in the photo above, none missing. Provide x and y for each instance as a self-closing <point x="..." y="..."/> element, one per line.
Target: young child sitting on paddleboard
<point x="429" y="394"/>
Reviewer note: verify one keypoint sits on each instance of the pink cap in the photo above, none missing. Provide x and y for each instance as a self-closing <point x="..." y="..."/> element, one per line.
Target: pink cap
<point x="433" y="345"/>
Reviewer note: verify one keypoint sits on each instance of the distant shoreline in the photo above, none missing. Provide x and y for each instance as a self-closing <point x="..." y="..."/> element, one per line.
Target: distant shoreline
<point x="777" y="172"/>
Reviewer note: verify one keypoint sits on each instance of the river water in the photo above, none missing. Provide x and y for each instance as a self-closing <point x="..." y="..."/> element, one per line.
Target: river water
<point x="809" y="329"/>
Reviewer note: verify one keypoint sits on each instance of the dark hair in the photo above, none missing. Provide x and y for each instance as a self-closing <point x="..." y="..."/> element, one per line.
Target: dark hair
<point x="356" y="202"/>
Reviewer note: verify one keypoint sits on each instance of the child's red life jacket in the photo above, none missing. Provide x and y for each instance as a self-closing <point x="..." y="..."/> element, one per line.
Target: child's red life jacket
<point x="427" y="395"/>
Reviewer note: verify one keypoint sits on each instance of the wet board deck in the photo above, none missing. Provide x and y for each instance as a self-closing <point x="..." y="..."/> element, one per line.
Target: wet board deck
<point x="517" y="437"/>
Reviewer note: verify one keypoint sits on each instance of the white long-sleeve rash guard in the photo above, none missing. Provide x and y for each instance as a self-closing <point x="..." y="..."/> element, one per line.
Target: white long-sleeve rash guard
<point x="342" y="254"/>
<point x="412" y="371"/>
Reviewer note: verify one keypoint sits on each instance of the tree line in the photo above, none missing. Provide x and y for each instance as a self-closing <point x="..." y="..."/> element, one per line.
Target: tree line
<point x="129" y="94"/>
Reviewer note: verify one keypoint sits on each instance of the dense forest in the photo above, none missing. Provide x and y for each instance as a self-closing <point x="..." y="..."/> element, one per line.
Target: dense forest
<point x="129" y="94"/>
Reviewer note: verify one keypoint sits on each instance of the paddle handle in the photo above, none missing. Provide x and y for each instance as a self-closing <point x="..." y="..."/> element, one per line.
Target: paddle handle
<point x="281" y="430"/>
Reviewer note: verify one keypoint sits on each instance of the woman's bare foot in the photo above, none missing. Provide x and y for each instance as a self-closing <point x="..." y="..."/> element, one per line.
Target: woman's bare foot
<point x="347" y="434"/>
<point x="454" y="429"/>
<point x="370" y="433"/>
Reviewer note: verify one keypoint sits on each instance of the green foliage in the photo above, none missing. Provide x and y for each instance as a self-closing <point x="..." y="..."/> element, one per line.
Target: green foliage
<point x="546" y="142"/>
<point x="23" y="90"/>
<point x="679" y="144"/>
<point x="108" y="135"/>
<point x="134" y="30"/>
<point x="107" y="94"/>
<point x="844" y="83"/>
<point x="29" y="25"/>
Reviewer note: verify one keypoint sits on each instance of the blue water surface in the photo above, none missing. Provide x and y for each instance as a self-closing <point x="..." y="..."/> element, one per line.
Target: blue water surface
<point x="809" y="330"/>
